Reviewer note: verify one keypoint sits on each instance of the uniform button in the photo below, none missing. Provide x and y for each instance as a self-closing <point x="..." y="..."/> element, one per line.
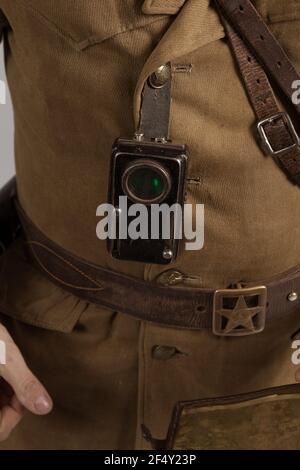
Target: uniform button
<point x="163" y="353"/>
<point x="292" y="297"/>
<point x="160" y="77"/>
<point x="170" y="278"/>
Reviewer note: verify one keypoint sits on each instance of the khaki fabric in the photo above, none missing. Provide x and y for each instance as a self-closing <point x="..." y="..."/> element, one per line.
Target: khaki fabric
<point x="76" y="70"/>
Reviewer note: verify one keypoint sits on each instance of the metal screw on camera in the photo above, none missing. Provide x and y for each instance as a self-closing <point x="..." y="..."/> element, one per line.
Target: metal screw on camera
<point x="138" y="136"/>
<point x="167" y="253"/>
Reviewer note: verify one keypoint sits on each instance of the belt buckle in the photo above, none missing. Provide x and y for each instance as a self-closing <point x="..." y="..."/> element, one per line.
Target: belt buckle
<point x="290" y="128"/>
<point x="239" y="312"/>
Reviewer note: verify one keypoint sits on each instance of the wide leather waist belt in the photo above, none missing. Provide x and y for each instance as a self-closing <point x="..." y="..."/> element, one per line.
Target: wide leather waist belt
<point x="241" y="311"/>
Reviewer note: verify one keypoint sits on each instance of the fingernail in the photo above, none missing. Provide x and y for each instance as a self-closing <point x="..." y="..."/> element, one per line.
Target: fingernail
<point x="42" y="405"/>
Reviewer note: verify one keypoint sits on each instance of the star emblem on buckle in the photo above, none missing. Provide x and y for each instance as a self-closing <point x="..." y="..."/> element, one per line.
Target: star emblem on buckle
<point x="239" y="312"/>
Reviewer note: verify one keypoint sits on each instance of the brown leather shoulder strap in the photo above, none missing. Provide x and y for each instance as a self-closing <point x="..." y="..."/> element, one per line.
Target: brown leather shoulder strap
<point x="275" y="128"/>
<point x="246" y="20"/>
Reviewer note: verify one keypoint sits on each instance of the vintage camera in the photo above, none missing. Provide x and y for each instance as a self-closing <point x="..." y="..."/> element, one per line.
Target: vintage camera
<point x="147" y="172"/>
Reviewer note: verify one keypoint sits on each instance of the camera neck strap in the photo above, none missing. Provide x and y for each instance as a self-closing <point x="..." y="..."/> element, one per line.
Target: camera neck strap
<point x="156" y="105"/>
<point x="278" y="135"/>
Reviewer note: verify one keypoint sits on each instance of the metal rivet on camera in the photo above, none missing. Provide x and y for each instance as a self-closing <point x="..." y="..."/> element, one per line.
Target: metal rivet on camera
<point x="160" y="77"/>
<point x="161" y="140"/>
<point x="167" y="253"/>
<point x="292" y="297"/>
<point x="138" y="136"/>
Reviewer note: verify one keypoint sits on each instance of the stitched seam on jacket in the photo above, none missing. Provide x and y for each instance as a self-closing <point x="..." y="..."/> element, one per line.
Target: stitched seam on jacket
<point x="93" y="40"/>
<point x="90" y="40"/>
<point x="54" y="26"/>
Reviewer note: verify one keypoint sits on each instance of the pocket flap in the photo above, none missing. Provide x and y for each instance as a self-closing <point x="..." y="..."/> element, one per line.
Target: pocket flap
<point x="26" y="295"/>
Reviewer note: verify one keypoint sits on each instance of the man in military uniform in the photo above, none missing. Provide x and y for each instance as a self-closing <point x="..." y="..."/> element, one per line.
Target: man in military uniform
<point x="76" y="71"/>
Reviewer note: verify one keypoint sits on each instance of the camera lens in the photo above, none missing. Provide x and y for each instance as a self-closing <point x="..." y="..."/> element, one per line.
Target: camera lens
<point x="147" y="182"/>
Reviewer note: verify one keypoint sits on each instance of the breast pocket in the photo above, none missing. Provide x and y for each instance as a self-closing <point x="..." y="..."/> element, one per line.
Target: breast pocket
<point x="87" y="22"/>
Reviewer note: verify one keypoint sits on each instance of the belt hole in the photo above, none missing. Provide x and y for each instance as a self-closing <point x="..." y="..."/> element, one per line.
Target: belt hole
<point x="262" y="37"/>
<point x="201" y="308"/>
<point x="279" y="64"/>
<point x="242" y="8"/>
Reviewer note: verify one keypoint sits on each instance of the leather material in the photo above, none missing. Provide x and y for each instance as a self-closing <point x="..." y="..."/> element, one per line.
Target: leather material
<point x="250" y="25"/>
<point x="181" y="307"/>
<point x="155" y="109"/>
<point x="258" y="86"/>
<point x="261" y="420"/>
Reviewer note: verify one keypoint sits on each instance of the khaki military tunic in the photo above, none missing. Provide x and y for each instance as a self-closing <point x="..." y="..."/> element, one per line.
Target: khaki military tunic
<point x="76" y="70"/>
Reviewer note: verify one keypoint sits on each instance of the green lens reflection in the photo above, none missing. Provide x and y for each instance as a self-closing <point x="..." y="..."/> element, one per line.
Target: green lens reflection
<point x="147" y="183"/>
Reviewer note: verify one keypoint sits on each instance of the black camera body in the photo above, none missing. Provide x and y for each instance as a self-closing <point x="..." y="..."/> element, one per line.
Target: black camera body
<point x="147" y="172"/>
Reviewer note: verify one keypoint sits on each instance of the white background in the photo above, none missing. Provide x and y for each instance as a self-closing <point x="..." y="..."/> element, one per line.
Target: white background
<point x="6" y="132"/>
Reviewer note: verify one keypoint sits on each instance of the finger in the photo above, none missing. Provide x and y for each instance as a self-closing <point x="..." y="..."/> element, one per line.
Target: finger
<point x="298" y="375"/>
<point x="9" y="419"/>
<point x="17" y="405"/>
<point x="6" y="393"/>
<point x="30" y="392"/>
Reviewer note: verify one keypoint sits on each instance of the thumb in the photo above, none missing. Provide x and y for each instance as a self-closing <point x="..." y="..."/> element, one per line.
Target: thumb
<point x="28" y="389"/>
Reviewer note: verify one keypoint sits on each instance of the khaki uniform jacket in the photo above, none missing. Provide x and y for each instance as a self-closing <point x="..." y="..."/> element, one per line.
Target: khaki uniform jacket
<point x="76" y="70"/>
